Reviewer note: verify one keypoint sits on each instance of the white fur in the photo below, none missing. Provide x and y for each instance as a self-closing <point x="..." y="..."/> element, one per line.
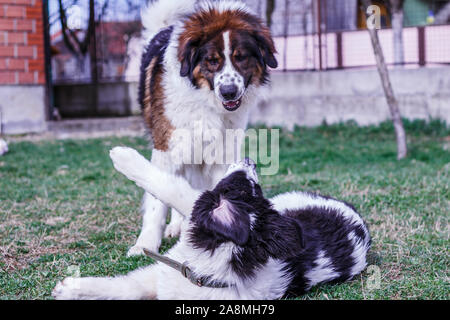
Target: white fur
<point x="186" y="108"/>
<point x="3" y="147"/>
<point x="323" y="271"/>
<point x="228" y="75"/>
<point x="358" y="254"/>
<point x="163" y="13"/>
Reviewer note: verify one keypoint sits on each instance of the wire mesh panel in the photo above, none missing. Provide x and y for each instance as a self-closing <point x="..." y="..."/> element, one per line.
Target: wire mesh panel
<point x="331" y="34"/>
<point x="90" y="38"/>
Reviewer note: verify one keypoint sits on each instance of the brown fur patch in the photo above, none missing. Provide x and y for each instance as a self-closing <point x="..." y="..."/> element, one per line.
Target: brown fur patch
<point x="200" y="78"/>
<point x="208" y="23"/>
<point x="160" y="127"/>
<point x="202" y="37"/>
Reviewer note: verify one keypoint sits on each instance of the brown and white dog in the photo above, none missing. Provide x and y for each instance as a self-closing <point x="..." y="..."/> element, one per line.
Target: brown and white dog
<point x="205" y="65"/>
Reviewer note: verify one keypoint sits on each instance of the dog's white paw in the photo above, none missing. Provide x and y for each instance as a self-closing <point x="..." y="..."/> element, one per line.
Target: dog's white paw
<point x="68" y="289"/>
<point x="138" y="249"/>
<point x="128" y="162"/>
<point x="173" y="229"/>
<point x="135" y="251"/>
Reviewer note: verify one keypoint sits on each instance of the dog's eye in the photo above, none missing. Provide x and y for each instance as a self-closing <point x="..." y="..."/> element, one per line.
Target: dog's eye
<point x="240" y="57"/>
<point x="212" y="61"/>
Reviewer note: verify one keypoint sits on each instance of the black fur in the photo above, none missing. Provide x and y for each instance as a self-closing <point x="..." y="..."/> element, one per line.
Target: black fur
<point x="156" y="48"/>
<point x="295" y="237"/>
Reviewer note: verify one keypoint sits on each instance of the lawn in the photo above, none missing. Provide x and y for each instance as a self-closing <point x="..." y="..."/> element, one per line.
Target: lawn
<point x="62" y="207"/>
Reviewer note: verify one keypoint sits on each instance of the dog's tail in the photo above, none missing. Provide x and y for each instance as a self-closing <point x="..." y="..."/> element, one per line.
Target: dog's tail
<point x="159" y="14"/>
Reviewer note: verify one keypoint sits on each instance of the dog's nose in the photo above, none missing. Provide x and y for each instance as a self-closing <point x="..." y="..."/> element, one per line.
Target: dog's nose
<point x="249" y="162"/>
<point x="229" y="92"/>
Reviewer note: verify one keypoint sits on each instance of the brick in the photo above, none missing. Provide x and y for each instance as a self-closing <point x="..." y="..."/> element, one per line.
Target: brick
<point x="7" y="78"/>
<point x="6" y="51"/>
<point x="24" y="25"/>
<point x="14" y="11"/>
<point x="26" y="2"/>
<point x="36" y="65"/>
<point x="25" y="51"/>
<point x="17" y="64"/>
<point x="26" y="77"/>
<point x="35" y="39"/>
<point x="6" y="24"/>
<point x="17" y="37"/>
<point x="2" y="64"/>
<point x="34" y="12"/>
<point x="41" y="78"/>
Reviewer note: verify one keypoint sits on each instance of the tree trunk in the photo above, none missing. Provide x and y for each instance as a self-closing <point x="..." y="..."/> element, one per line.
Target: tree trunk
<point x="389" y="93"/>
<point x="443" y="16"/>
<point x="397" y="29"/>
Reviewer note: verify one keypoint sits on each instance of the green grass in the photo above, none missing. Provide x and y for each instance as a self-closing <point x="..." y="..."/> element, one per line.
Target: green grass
<point x="62" y="204"/>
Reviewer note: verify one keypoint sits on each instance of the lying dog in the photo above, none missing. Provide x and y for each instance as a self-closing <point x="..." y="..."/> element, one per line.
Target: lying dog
<point x="236" y="244"/>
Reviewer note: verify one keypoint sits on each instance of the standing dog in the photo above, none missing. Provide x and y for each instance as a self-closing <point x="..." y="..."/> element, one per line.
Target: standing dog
<point x="236" y="244"/>
<point x="203" y="68"/>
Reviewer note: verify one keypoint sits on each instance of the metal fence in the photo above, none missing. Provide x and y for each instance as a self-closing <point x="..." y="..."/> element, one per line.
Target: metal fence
<point x="90" y="39"/>
<point x="332" y="34"/>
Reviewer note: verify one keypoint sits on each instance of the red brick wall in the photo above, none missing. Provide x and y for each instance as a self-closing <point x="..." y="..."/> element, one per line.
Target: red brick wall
<point x="21" y="42"/>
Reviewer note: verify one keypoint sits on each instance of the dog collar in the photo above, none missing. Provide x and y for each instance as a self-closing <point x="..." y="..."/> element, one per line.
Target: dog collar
<point x="186" y="271"/>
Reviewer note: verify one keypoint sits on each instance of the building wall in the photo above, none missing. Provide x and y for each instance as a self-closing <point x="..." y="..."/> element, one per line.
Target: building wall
<point x="22" y="66"/>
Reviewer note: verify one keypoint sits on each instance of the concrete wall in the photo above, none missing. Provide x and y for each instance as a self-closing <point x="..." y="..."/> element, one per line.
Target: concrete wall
<point x="302" y="98"/>
<point x="22" y="109"/>
<point x="309" y="98"/>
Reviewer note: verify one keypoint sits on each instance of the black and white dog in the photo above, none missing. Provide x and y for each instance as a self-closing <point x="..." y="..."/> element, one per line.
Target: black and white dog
<point x="240" y="244"/>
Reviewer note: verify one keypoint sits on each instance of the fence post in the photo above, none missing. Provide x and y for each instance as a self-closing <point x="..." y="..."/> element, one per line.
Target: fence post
<point x="340" y="63"/>
<point x="421" y="42"/>
<point x="319" y="31"/>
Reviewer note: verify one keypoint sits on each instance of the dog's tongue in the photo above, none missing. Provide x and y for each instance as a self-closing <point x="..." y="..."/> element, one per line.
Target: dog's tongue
<point x="231" y="103"/>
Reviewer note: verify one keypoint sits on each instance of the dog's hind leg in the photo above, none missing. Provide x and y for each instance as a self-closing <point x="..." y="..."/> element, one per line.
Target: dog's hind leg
<point x="137" y="285"/>
<point x="174" y="227"/>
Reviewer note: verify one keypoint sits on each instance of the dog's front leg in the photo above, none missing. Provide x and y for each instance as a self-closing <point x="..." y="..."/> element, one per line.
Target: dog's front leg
<point x="137" y="285"/>
<point x="173" y="190"/>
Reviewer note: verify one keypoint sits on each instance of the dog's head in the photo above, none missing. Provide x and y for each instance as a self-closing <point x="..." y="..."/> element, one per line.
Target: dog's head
<point x="237" y="212"/>
<point x="226" y="51"/>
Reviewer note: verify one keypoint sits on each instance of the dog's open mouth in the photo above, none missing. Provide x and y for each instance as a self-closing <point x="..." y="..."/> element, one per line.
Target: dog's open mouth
<point x="232" y="105"/>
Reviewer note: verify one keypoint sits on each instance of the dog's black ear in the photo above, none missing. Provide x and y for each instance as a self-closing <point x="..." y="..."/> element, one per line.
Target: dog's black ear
<point x="267" y="47"/>
<point x="230" y="222"/>
<point x="283" y="236"/>
<point x="186" y="61"/>
<point x="188" y="57"/>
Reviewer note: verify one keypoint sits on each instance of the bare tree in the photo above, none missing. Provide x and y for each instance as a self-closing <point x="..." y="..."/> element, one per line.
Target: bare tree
<point x="397" y="29"/>
<point x="389" y="93"/>
<point x="443" y="16"/>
